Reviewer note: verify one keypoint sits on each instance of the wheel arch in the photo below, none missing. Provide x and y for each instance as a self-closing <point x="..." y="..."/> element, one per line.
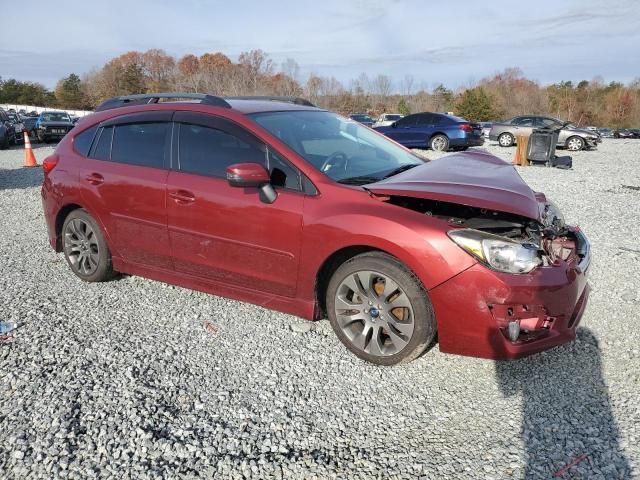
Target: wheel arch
<point x="438" y="133"/>
<point x="64" y="212"/>
<point x="331" y="264"/>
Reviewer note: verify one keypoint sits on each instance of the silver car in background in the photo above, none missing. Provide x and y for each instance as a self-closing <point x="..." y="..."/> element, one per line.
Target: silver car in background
<point x="570" y="137"/>
<point x="387" y="119"/>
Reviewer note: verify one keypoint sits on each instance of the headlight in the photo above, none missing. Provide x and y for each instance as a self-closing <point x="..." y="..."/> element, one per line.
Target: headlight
<point x="552" y="217"/>
<point x="497" y="252"/>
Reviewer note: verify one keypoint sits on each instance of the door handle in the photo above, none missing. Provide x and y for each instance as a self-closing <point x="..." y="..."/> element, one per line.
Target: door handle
<point x="94" y="179"/>
<point x="182" y="196"/>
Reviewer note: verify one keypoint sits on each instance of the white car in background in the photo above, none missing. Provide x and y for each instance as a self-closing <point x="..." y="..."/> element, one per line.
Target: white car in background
<point x="387" y="119"/>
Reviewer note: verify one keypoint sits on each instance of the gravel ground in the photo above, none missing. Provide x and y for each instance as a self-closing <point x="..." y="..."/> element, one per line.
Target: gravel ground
<point x="138" y="379"/>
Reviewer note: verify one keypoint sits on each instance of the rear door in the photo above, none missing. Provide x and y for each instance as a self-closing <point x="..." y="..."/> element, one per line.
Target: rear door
<point x="223" y="233"/>
<point x="125" y="180"/>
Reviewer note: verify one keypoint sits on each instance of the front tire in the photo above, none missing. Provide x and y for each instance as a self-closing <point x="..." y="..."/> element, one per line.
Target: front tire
<point x="85" y="248"/>
<point x="575" y="144"/>
<point x="379" y="309"/>
<point x="439" y="143"/>
<point x="506" y="140"/>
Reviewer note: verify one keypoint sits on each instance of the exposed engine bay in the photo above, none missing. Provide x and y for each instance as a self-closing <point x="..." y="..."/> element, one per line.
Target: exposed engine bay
<point x="551" y="237"/>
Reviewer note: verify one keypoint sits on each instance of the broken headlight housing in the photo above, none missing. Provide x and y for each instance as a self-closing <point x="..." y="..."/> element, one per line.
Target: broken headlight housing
<point x="499" y="253"/>
<point x="552" y="217"/>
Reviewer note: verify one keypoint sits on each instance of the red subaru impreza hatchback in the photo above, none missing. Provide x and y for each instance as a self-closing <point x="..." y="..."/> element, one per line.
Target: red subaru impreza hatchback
<point x="278" y="203"/>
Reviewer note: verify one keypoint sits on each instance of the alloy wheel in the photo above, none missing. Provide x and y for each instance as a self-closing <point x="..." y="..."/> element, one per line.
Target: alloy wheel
<point x="82" y="246"/>
<point x="505" y="140"/>
<point x="439" y="143"/>
<point x="575" y="143"/>
<point x="374" y="313"/>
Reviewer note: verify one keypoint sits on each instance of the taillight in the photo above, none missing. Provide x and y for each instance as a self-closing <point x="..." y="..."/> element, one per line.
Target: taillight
<point x="49" y="163"/>
<point x="466" y="127"/>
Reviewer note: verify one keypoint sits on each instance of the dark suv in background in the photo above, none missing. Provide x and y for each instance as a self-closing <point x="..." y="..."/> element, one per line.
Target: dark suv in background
<point x="437" y="131"/>
<point x="52" y="126"/>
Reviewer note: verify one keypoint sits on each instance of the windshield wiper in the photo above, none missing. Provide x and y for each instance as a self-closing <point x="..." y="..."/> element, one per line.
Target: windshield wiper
<point x="363" y="180"/>
<point x="401" y="169"/>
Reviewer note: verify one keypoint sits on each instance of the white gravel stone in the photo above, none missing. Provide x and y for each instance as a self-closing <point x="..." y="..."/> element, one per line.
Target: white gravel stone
<point x="119" y="379"/>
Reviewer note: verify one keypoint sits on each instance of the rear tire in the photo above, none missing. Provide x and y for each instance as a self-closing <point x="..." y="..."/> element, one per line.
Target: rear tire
<point x="85" y="248"/>
<point x="439" y="143"/>
<point x="506" y="140"/>
<point x="379" y="309"/>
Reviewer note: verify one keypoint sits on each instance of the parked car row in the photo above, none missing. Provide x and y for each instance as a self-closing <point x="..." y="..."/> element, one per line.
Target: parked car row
<point x="47" y="126"/>
<point x="626" y="133"/>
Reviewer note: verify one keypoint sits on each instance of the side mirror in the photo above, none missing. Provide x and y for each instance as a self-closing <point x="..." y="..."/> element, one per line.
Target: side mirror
<point x="247" y="175"/>
<point x="394" y="125"/>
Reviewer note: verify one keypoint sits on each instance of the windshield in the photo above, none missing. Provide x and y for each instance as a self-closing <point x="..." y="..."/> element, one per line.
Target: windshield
<point x="338" y="147"/>
<point x="392" y="118"/>
<point x="54" y="117"/>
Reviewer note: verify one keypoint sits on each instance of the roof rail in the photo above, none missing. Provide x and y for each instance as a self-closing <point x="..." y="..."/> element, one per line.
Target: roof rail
<point x="296" y="100"/>
<point x="145" y="98"/>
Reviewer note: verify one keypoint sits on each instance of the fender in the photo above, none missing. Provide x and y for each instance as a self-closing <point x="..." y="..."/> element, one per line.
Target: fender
<point x="434" y="258"/>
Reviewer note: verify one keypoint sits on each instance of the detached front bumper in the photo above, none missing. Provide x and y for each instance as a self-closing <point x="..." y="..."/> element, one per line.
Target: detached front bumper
<point x="593" y="142"/>
<point x="474" y="308"/>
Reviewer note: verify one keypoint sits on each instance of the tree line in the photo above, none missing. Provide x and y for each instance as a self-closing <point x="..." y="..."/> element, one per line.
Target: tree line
<point x="503" y="95"/>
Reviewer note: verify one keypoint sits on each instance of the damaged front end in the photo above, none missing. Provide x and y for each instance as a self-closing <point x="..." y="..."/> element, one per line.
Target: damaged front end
<point x="485" y="234"/>
<point x="537" y="291"/>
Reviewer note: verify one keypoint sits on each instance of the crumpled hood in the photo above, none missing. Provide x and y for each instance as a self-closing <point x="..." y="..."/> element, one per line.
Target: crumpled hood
<point x="477" y="179"/>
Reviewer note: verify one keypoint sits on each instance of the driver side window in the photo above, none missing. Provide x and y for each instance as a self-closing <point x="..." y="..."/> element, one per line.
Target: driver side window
<point x="407" y="121"/>
<point x="523" y="122"/>
<point x="204" y="150"/>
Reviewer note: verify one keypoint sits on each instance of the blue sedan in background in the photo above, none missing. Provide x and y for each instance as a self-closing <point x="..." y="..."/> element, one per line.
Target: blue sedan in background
<point x="438" y="131"/>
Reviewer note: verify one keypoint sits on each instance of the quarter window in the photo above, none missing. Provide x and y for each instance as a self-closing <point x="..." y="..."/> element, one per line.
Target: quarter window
<point x="102" y="148"/>
<point x="82" y="142"/>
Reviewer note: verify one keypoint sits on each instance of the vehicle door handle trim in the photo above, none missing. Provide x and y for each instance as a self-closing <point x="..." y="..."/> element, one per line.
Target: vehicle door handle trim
<point x="94" y="179"/>
<point x="182" y="196"/>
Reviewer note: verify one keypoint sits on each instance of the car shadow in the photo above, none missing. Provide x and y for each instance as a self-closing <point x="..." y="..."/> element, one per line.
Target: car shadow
<point x="18" y="178"/>
<point x="568" y="428"/>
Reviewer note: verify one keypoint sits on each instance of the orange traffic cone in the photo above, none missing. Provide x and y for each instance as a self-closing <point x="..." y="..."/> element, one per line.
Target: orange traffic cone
<point x="29" y="157"/>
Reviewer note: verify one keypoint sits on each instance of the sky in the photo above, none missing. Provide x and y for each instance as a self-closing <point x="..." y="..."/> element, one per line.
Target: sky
<point x="455" y="42"/>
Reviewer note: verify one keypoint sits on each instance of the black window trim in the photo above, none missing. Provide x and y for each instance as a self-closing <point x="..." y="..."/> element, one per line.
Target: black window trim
<point x="96" y="142"/>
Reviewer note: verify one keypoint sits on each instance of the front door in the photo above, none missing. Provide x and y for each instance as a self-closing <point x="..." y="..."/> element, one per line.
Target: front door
<point x="225" y="233"/>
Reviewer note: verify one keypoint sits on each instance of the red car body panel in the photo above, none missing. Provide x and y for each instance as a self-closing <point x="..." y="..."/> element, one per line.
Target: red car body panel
<point x="201" y="233"/>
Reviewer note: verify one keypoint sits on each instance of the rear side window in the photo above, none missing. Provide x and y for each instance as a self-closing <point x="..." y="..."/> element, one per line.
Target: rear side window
<point x="102" y="147"/>
<point x="141" y="144"/>
<point x="82" y="142"/>
<point x="209" y="151"/>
